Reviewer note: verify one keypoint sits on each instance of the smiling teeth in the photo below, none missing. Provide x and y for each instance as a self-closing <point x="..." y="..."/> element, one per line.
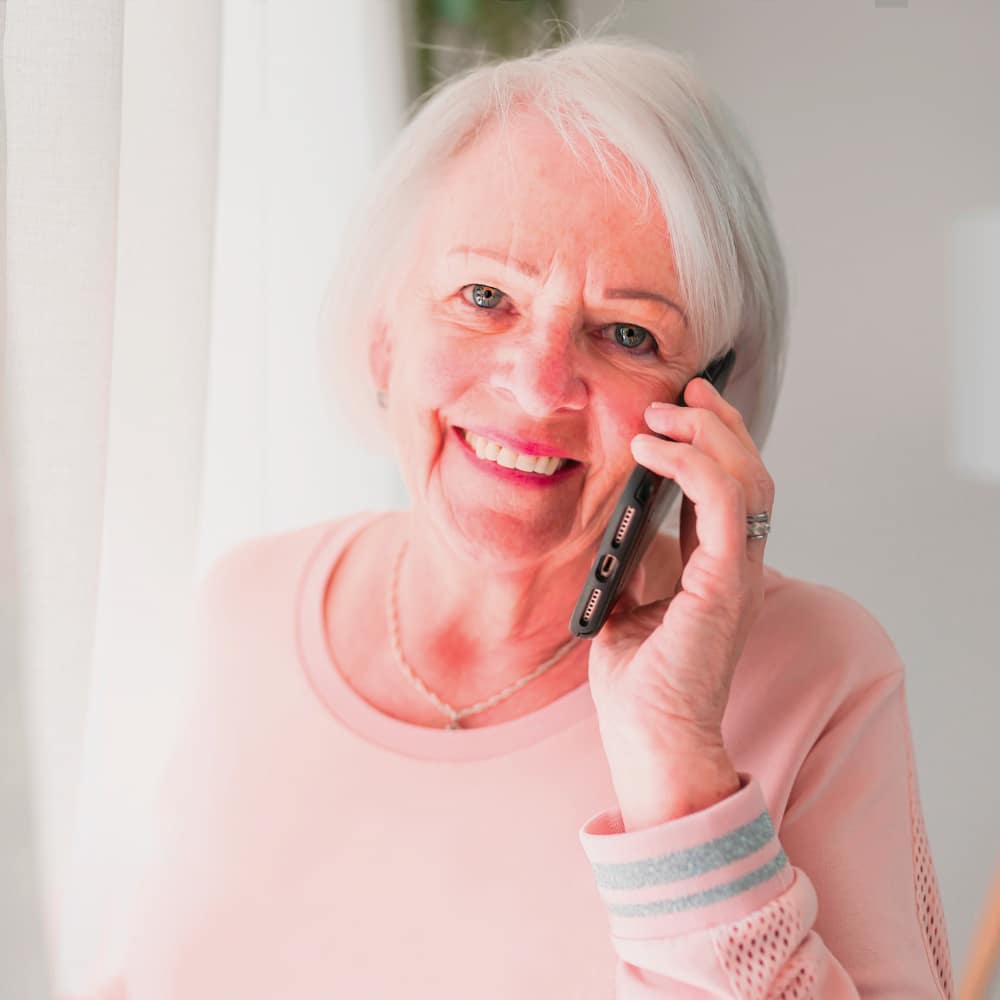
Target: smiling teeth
<point x="543" y="465"/>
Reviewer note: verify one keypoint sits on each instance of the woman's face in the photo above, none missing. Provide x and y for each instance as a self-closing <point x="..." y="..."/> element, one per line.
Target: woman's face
<point x="536" y="314"/>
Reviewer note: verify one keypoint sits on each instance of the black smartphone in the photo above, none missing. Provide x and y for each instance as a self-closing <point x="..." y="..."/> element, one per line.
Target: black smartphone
<point x="640" y="510"/>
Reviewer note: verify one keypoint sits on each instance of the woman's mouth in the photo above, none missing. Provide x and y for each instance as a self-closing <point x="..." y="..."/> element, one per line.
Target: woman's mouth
<point x="510" y="463"/>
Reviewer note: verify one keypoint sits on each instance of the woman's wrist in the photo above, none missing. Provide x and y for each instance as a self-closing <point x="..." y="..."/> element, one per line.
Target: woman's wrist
<point x="658" y="787"/>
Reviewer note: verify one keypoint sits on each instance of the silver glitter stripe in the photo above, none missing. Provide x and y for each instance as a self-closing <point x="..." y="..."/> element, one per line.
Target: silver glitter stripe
<point x="712" y="895"/>
<point x="692" y="861"/>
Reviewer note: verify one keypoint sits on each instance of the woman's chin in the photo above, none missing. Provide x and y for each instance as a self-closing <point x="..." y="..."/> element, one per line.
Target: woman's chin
<point x="503" y="539"/>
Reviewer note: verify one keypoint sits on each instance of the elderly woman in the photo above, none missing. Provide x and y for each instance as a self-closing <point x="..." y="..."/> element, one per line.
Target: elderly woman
<point x="398" y="749"/>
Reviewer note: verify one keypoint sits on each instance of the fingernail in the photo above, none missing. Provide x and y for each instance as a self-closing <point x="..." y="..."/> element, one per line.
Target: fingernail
<point x="658" y="405"/>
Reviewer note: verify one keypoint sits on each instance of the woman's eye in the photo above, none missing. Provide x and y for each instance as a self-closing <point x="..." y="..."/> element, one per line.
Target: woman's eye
<point x="484" y="296"/>
<point x="635" y="339"/>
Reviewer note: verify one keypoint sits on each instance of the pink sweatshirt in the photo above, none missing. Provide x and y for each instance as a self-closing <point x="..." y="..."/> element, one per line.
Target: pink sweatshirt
<point x="313" y="848"/>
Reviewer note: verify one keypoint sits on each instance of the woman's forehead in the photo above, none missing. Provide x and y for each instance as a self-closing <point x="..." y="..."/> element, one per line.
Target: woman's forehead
<point x="522" y="191"/>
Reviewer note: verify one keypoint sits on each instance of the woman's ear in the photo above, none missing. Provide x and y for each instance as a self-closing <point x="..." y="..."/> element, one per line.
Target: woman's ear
<point x="380" y="356"/>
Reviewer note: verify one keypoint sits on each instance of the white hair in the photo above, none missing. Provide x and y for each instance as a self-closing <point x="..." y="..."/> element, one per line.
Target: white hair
<point x="650" y="106"/>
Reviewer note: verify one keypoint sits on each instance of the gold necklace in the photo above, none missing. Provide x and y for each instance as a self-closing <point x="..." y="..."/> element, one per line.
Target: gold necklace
<point x="455" y="714"/>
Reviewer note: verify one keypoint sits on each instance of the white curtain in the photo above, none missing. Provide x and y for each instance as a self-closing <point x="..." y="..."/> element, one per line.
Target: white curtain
<point x="177" y="179"/>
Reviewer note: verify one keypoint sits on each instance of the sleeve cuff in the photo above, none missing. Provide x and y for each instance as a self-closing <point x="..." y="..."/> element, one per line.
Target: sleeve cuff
<point x="708" y="868"/>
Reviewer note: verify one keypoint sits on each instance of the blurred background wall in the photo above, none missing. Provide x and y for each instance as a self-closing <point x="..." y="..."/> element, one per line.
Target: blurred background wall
<point x="176" y="179"/>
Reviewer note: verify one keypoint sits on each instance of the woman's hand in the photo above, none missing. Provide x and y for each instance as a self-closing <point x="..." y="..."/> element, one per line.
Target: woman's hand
<point x="660" y="674"/>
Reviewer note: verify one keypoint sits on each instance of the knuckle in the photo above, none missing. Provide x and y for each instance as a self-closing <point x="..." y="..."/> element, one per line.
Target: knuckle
<point x="734" y="415"/>
<point x="733" y="494"/>
<point x="681" y="459"/>
<point x="764" y="487"/>
<point x="734" y="490"/>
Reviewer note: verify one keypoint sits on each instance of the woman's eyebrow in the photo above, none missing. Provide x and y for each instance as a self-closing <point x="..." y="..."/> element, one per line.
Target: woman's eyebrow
<point x="638" y="293"/>
<point x="533" y="272"/>
<point x="503" y="258"/>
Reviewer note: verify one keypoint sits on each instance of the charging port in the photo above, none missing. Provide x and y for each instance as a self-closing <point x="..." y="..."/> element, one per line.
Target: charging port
<point x="607" y="566"/>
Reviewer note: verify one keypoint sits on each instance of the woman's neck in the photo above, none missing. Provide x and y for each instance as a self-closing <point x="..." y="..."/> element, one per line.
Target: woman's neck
<point x="468" y="629"/>
<point x="443" y="642"/>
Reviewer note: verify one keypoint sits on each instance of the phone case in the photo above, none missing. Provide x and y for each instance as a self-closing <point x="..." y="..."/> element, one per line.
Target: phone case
<point x="640" y="510"/>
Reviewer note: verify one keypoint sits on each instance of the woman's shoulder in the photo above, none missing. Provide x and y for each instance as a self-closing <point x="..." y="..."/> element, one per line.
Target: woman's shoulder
<point x="821" y="635"/>
<point x="268" y="565"/>
<point x="805" y="606"/>
<point x="808" y="636"/>
<point x="244" y="610"/>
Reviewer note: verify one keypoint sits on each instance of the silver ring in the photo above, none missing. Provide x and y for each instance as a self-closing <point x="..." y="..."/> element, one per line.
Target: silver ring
<point x="758" y="525"/>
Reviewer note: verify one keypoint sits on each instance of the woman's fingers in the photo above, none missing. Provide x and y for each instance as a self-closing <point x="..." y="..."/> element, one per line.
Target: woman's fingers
<point x="729" y="480"/>
<point x="717" y="496"/>
<point x="709" y="432"/>
<point x="699" y="392"/>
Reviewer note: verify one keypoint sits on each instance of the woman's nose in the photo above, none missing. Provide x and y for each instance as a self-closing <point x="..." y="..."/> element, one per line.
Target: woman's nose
<point x="541" y="372"/>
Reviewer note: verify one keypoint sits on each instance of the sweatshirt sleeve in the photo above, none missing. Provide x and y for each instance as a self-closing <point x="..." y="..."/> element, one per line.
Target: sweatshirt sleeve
<point x="834" y="899"/>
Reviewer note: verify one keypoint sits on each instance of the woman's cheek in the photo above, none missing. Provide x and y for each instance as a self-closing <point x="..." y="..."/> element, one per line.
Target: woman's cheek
<point x="623" y="418"/>
<point x="448" y="366"/>
<point x="428" y="394"/>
